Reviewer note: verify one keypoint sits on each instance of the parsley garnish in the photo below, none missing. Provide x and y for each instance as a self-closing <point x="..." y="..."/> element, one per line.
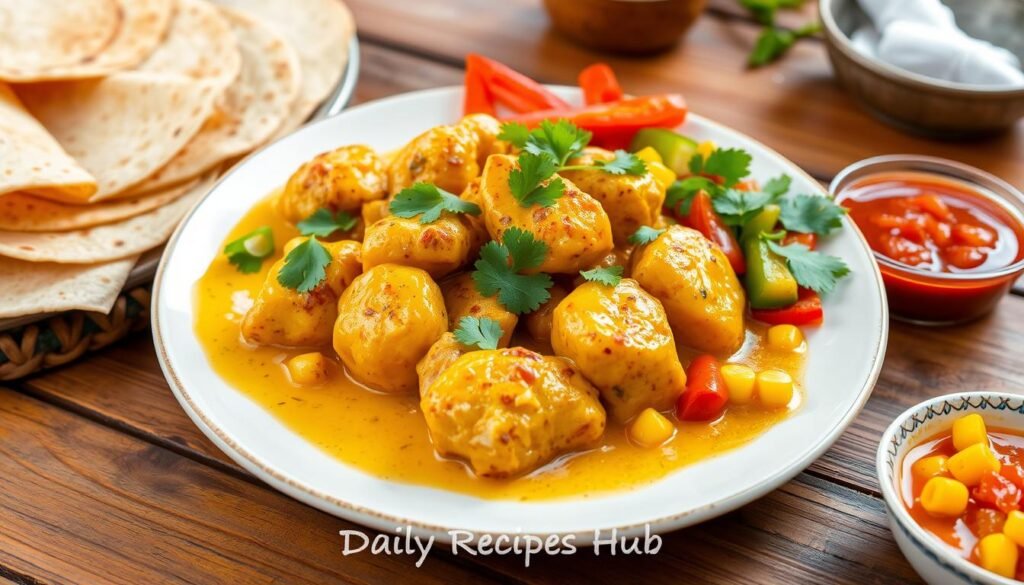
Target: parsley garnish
<point x="562" y="139"/>
<point x="738" y="207"/>
<point x="811" y="214"/>
<point x="498" y="271"/>
<point x="248" y="252"/>
<point x="305" y="266"/>
<point x="482" y="332"/>
<point x="323" y="224"/>
<point x="680" y="193"/>
<point x="429" y="201"/>
<point x="624" y="163"/>
<point x="732" y="164"/>
<point x="645" y="235"/>
<point x="814" y="270"/>
<point x="606" y="275"/>
<point x="778" y="186"/>
<point x="528" y="181"/>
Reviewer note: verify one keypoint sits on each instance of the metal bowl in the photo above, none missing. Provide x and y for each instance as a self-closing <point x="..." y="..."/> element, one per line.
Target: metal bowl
<point x="924" y="105"/>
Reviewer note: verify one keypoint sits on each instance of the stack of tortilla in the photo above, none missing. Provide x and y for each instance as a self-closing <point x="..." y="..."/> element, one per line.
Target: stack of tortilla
<point x="117" y="115"/>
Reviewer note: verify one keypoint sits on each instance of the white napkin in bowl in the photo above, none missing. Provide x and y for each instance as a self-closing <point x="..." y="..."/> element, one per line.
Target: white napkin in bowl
<point x="921" y="36"/>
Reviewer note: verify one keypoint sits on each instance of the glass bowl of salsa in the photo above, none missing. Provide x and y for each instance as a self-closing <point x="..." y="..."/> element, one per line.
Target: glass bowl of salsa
<point x="948" y="238"/>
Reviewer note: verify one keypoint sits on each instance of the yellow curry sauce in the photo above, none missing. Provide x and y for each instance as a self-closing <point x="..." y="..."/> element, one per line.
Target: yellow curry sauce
<point x="386" y="436"/>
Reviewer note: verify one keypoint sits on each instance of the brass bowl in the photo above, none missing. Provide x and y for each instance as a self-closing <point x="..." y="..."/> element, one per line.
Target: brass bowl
<point x="923" y="105"/>
<point x="624" y="26"/>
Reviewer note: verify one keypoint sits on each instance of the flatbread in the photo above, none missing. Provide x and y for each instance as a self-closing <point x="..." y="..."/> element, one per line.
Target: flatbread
<point x="112" y="241"/>
<point x="32" y="159"/>
<point x="142" y="27"/>
<point x="320" y="31"/>
<point x="24" y="213"/>
<point x="122" y="128"/>
<point x="29" y="288"/>
<point x="50" y="33"/>
<point x="252" y="109"/>
<point x="199" y="44"/>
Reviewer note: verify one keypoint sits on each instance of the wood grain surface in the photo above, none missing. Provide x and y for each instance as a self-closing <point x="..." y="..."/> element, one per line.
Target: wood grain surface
<point x="106" y="480"/>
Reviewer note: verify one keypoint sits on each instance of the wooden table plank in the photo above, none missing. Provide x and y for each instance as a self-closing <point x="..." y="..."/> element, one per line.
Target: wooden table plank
<point x="88" y="504"/>
<point x="793" y="106"/>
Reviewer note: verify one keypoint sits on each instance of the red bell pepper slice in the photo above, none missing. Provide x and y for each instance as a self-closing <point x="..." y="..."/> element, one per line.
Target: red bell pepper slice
<point x="705" y="220"/>
<point x="805" y="311"/>
<point x="513" y="89"/>
<point x="706" y="394"/>
<point x="599" y="84"/>
<point x="477" y="99"/>
<point x="614" y="124"/>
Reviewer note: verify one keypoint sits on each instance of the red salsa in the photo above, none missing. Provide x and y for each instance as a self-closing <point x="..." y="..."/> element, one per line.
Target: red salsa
<point x="934" y="229"/>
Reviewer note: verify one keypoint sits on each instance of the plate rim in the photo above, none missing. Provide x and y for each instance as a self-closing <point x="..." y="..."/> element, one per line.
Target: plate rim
<point x="363" y="515"/>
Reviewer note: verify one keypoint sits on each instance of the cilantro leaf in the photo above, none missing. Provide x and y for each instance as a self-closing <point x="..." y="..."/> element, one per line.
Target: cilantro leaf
<point x="323" y="224"/>
<point x="562" y="140"/>
<point x="778" y="186"/>
<point x="680" y="193"/>
<point x="814" y="270"/>
<point x="775" y="42"/>
<point x="645" y="235"/>
<point x="514" y="132"/>
<point x="624" y="163"/>
<point x="429" y="201"/>
<point x="527" y="182"/>
<point x="606" y="275"/>
<point x="248" y="252"/>
<point x="696" y="164"/>
<point x="482" y="332"/>
<point x="732" y="164"/>
<point x="497" y="271"/>
<point x="811" y="214"/>
<point x="738" y="207"/>
<point x="305" y="266"/>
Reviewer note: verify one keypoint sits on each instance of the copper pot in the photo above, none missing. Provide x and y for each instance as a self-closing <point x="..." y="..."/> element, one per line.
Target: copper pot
<point x="624" y="26"/>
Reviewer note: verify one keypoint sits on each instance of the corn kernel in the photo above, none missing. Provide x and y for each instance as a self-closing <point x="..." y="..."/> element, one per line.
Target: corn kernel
<point x="970" y="464"/>
<point x="1014" y="527"/>
<point x="997" y="553"/>
<point x="943" y="496"/>
<point x="930" y="467"/>
<point x="649" y="155"/>
<point x="651" y="428"/>
<point x="969" y="430"/>
<point x="308" y="368"/>
<point x="785" y="337"/>
<point x="706" y="148"/>
<point x="774" y="388"/>
<point x="663" y="175"/>
<point x="739" y="379"/>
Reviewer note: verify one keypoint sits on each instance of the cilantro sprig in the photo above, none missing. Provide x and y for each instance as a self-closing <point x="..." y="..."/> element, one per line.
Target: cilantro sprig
<point x="606" y="275"/>
<point x="645" y="235"/>
<point x="305" y="267"/>
<point x="323" y="223"/>
<point x="811" y="215"/>
<point x="814" y="270"/>
<point x="546" y="150"/>
<point x="499" y="271"/>
<point x="429" y="202"/>
<point x="731" y="164"/>
<point x="248" y="252"/>
<point x="481" y="332"/>
<point x="774" y="42"/>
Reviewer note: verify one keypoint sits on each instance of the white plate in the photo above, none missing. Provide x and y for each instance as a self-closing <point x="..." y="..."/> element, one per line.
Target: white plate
<point x="845" y="357"/>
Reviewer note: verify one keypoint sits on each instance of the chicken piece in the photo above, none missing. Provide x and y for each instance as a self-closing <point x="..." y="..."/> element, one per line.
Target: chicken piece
<point x="617" y="257"/>
<point x="440" y="248"/>
<point x="487" y="129"/>
<point x="374" y="211"/>
<point x="462" y="299"/>
<point x="475" y="223"/>
<point x="694" y="281"/>
<point x="620" y="339"/>
<point x="575" y="228"/>
<point x="446" y="156"/>
<point x="442" y="354"/>
<point x="538" y="323"/>
<point x="387" y="320"/>
<point x="509" y="411"/>
<point x="630" y="201"/>
<point x="284" y="316"/>
<point x="340" y="180"/>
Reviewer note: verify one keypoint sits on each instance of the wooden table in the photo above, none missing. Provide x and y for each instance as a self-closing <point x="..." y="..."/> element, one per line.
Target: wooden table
<point x="105" y="480"/>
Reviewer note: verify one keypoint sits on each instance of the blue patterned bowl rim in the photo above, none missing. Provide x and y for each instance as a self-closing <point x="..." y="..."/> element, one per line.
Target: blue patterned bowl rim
<point x="903" y="431"/>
